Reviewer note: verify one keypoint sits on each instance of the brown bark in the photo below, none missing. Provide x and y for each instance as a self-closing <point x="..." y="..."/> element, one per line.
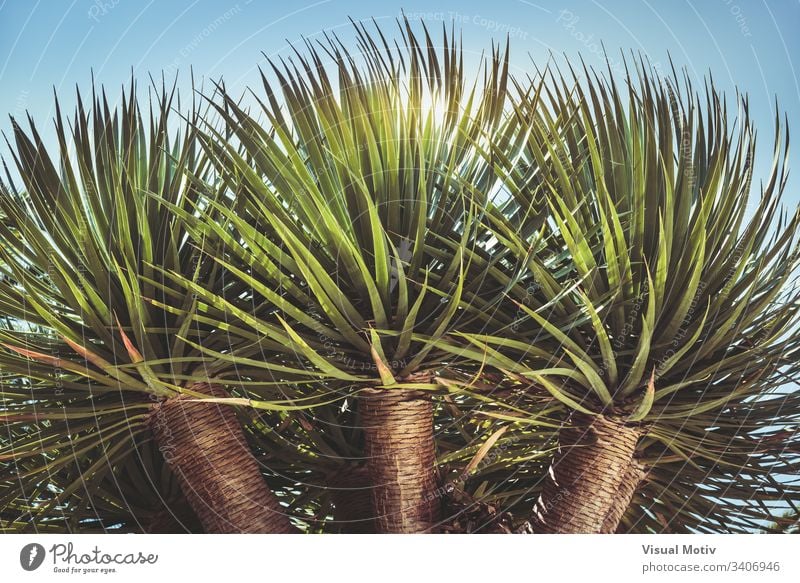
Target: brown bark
<point x="399" y="445"/>
<point x="582" y="491"/>
<point x="631" y="479"/>
<point x="350" y="489"/>
<point x="205" y="446"/>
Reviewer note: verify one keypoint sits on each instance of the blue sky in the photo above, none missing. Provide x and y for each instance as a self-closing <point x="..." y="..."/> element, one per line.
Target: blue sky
<point x="752" y="44"/>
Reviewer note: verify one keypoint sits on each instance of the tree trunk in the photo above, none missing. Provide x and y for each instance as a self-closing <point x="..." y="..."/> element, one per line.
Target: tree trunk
<point x="205" y="446"/>
<point x="633" y="476"/>
<point x="588" y="486"/>
<point x="398" y="433"/>
<point x="350" y="490"/>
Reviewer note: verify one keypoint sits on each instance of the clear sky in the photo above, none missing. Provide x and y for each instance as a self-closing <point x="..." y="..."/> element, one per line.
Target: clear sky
<point x="752" y="44"/>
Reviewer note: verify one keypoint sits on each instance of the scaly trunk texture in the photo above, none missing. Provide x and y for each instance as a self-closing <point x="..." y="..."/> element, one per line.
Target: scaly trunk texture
<point x="205" y="446"/>
<point x="633" y="476"/>
<point x="583" y="491"/>
<point x="398" y="434"/>
<point x="350" y="490"/>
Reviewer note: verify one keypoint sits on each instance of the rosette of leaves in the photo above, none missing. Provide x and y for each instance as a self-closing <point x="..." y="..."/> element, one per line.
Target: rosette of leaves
<point x="354" y="190"/>
<point x="100" y="365"/>
<point x="670" y="340"/>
